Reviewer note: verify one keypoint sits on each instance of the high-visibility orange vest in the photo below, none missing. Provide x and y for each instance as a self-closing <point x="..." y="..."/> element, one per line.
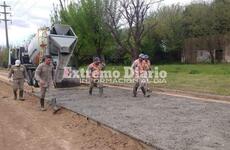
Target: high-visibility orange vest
<point x="147" y="65"/>
<point x="95" y="70"/>
<point x="139" y="67"/>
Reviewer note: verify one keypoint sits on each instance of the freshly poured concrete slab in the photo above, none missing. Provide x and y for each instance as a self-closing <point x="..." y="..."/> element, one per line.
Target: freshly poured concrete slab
<point x="167" y="122"/>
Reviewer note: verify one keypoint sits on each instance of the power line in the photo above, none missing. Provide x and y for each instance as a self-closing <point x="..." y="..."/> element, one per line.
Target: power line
<point x="5" y="13"/>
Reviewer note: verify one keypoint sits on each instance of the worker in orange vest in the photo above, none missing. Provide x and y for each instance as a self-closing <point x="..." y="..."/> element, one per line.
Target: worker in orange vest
<point x="147" y="69"/>
<point x="138" y="67"/>
<point x="94" y="70"/>
<point x="148" y="63"/>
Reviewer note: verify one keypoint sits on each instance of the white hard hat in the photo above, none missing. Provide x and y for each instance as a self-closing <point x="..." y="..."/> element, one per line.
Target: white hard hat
<point x="96" y="59"/>
<point x="141" y="55"/>
<point x="17" y="62"/>
<point x="146" y="57"/>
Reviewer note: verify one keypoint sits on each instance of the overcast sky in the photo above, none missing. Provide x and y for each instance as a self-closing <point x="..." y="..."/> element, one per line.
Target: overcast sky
<point x="29" y="15"/>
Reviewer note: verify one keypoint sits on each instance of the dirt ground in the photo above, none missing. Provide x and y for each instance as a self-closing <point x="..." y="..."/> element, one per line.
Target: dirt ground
<point x="164" y="121"/>
<point x="24" y="127"/>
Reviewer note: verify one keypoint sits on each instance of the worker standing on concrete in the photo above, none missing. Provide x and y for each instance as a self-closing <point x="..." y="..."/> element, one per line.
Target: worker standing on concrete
<point x="147" y="68"/>
<point x="148" y="63"/>
<point x="138" y="67"/>
<point x="94" y="72"/>
<point x="19" y="76"/>
<point x="44" y="75"/>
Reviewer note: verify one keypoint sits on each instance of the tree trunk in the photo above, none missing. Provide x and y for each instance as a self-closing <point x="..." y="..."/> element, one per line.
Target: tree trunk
<point x="134" y="53"/>
<point x="99" y="51"/>
<point x="212" y="56"/>
<point x="211" y="51"/>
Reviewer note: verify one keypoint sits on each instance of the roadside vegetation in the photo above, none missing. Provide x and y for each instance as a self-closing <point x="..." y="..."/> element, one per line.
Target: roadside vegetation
<point x="3" y="58"/>
<point x="118" y="31"/>
<point x="206" y="78"/>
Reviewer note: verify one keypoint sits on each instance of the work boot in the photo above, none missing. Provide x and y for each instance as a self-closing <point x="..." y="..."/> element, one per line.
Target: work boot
<point x="135" y="91"/>
<point x="43" y="109"/>
<point x="21" y="95"/>
<point x="90" y="90"/>
<point x="144" y="92"/>
<point x="100" y="91"/>
<point x="42" y="102"/>
<point x="15" y="94"/>
<point x="148" y="90"/>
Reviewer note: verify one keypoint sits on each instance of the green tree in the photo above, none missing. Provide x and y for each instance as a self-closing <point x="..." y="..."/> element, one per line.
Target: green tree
<point x="199" y="21"/>
<point x="167" y="35"/>
<point x="221" y="9"/>
<point x="128" y="16"/>
<point x="4" y="57"/>
<point x="169" y="27"/>
<point x="87" y="20"/>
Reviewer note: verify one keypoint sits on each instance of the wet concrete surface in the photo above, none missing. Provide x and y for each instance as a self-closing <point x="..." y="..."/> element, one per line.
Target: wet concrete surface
<point x="167" y="122"/>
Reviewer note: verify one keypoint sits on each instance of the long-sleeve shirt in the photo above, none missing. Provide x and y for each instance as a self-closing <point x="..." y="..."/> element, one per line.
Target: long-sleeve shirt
<point x="45" y="72"/>
<point x="18" y="72"/>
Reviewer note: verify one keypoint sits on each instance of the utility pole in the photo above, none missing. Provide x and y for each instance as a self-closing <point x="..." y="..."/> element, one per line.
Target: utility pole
<point x="5" y="13"/>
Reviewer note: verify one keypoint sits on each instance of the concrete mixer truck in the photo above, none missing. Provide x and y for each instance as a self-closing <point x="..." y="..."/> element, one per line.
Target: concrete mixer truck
<point x="59" y="41"/>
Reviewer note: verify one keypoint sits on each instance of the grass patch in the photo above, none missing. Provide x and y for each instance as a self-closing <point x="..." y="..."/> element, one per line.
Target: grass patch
<point x="206" y="78"/>
<point x="193" y="72"/>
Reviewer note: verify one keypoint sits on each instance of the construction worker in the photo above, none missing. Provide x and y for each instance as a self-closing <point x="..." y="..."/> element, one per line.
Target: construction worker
<point x="148" y="63"/>
<point x="19" y="76"/>
<point x="44" y="75"/>
<point x="139" y="70"/>
<point x="147" y="68"/>
<point x="94" y="72"/>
